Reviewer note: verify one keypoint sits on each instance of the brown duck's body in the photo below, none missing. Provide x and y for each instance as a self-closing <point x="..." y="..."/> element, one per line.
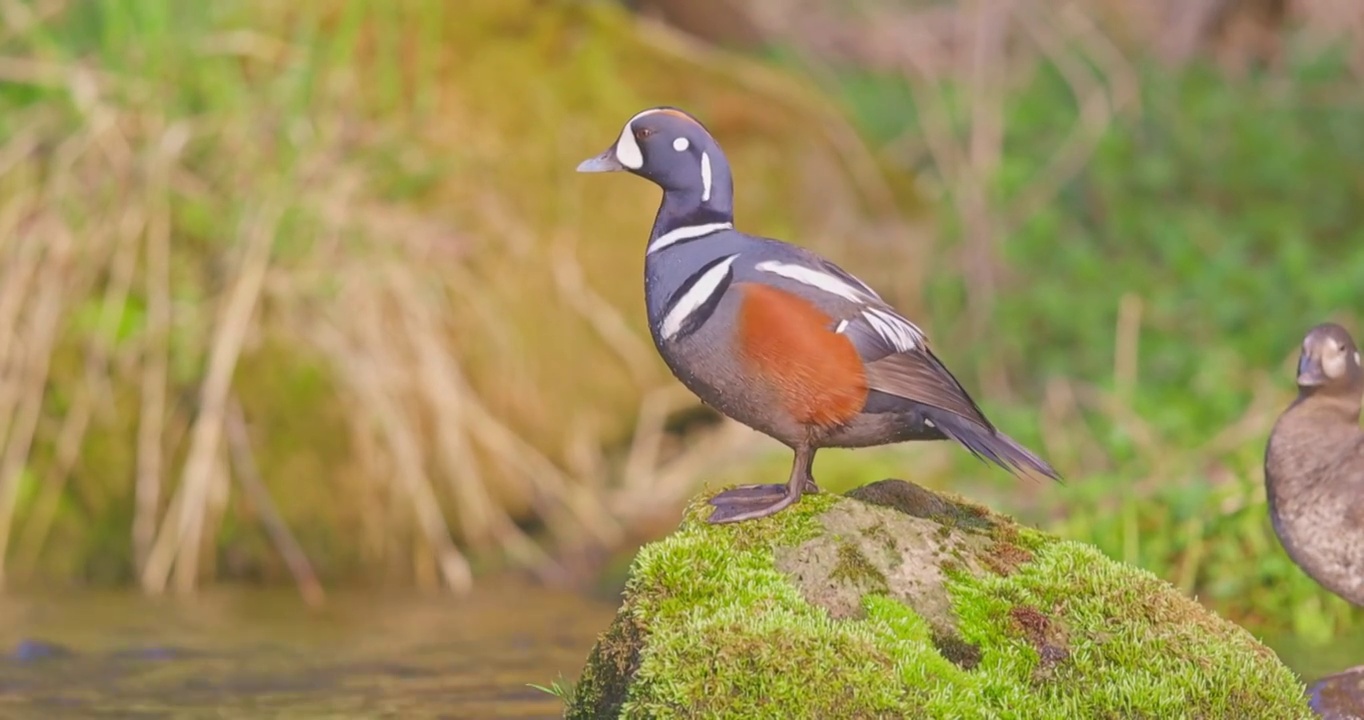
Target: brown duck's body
<point x="1314" y="476"/>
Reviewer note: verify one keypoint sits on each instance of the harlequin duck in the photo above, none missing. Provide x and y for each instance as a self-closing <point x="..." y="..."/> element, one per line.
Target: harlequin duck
<point x="1314" y="465"/>
<point x="775" y="336"/>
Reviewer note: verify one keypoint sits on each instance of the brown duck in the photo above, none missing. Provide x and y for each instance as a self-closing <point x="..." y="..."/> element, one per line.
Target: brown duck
<point x="1314" y="465"/>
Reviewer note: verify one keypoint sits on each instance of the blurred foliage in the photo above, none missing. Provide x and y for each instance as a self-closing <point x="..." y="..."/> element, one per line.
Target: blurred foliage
<point x="1228" y="215"/>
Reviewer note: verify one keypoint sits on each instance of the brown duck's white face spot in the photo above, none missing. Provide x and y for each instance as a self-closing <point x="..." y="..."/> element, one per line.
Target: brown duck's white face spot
<point x="1333" y="359"/>
<point x="681" y="144"/>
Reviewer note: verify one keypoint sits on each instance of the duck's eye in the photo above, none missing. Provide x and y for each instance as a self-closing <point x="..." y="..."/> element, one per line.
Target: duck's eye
<point x="643" y="133"/>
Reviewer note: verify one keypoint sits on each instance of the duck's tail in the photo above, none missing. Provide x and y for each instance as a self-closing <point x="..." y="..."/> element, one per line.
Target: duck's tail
<point x="992" y="445"/>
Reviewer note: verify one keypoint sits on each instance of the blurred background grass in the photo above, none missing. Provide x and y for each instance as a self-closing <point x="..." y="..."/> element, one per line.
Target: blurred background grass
<point x="312" y="292"/>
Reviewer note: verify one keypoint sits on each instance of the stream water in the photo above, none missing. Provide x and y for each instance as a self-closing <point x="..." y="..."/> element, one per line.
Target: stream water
<point x="262" y="654"/>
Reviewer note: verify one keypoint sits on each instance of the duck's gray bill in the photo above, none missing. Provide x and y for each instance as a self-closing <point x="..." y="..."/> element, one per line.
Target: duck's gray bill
<point x="1310" y="372"/>
<point x="605" y="162"/>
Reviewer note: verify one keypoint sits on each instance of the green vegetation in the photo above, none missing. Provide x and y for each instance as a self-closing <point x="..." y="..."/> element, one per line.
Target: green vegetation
<point x="716" y="626"/>
<point x="1149" y="313"/>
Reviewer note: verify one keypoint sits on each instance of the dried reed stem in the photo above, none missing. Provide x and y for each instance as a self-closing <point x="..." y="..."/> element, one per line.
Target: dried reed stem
<point x="15" y="288"/>
<point x="36" y="341"/>
<point x="248" y="476"/>
<point x="647" y="440"/>
<point x="178" y="543"/>
<point x="1126" y="341"/>
<point x="151" y="418"/>
<point x="448" y="396"/>
<point x="368" y="363"/>
<point x="1096" y="105"/>
<point x="96" y="388"/>
<point x="600" y="315"/>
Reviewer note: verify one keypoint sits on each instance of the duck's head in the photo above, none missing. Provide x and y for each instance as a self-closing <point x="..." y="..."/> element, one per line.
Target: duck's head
<point x="672" y="149"/>
<point x="1330" y="362"/>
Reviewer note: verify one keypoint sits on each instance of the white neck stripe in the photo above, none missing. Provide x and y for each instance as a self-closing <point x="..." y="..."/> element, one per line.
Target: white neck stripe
<point x="688" y="232"/>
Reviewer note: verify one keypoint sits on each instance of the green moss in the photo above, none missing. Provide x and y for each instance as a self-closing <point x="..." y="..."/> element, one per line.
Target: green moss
<point x="1005" y="557"/>
<point x="614" y="660"/>
<point x="962" y="654"/>
<point x="716" y="624"/>
<point x="879" y="533"/>
<point x="795" y="526"/>
<point x="853" y="567"/>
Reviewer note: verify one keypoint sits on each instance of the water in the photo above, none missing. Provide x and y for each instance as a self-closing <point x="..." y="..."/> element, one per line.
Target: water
<point x="1313" y="660"/>
<point x="262" y="654"/>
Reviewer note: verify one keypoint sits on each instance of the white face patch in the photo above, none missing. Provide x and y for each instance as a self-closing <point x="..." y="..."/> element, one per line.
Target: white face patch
<point x="627" y="150"/>
<point x="705" y="177"/>
<point x="696" y="296"/>
<point x="681" y="144"/>
<point x="1333" y="362"/>
<point x="814" y="278"/>
<point x="689" y="232"/>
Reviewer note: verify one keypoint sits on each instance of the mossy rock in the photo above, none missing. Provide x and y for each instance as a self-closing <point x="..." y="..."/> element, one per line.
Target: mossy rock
<point x="898" y="602"/>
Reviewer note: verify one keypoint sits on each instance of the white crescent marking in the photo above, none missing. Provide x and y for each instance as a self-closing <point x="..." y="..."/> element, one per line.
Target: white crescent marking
<point x="695" y="297"/>
<point x="627" y="150"/>
<point x="705" y="177"/>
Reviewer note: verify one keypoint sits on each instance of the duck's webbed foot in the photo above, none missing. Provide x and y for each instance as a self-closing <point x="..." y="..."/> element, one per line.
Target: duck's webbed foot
<point x="751" y="505"/>
<point x="749" y="502"/>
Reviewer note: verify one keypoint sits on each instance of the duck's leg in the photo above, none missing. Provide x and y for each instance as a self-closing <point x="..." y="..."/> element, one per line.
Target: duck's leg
<point x="756" y="501"/>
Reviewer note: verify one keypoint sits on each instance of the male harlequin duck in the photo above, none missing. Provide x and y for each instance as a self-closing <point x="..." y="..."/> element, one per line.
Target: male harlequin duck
<point x="775" y="336"/>
<point x="1314" y="465"/>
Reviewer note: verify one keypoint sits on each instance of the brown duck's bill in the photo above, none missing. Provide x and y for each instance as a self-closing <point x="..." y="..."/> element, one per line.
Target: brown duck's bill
<point x="605" y="162"/>
<point x="1310" y="373"/>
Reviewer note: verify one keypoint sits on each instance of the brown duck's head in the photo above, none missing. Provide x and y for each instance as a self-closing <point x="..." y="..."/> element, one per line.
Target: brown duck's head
<point x="1330" y="363"/>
